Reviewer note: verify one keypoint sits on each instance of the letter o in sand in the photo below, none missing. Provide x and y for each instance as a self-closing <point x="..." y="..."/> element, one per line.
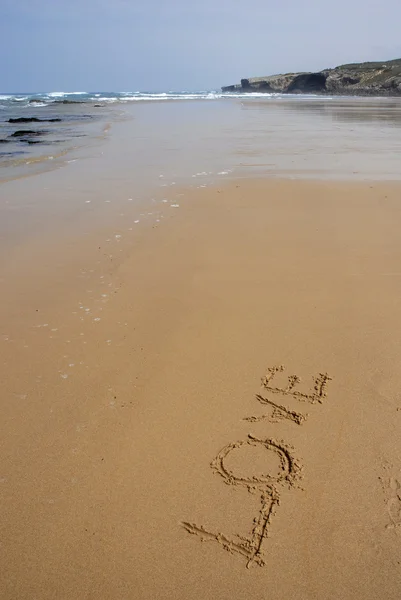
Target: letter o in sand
<point x="235" y="461"/>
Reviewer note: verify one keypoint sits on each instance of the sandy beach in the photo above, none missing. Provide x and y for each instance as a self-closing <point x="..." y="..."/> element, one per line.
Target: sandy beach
<point x="210" y="409"/>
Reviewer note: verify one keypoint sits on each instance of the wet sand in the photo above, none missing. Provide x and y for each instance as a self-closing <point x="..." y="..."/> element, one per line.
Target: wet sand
<point x="135" y="370"/>
<point x="290" y="136"/>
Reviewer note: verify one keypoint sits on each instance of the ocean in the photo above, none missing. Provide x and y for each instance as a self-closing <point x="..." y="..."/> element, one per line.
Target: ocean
<point x="187" y="132"/>
<point x="40" y="127"/>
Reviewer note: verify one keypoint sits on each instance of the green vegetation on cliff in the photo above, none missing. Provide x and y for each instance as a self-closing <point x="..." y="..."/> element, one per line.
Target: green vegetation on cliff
<point x="360" y="79"/>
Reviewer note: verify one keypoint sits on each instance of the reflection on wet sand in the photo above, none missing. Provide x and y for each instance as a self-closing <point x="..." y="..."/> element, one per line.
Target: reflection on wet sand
<point x="339" y="109"/>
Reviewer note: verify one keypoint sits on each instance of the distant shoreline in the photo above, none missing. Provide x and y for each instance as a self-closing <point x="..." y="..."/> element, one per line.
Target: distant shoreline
<point x="359" y="79"/>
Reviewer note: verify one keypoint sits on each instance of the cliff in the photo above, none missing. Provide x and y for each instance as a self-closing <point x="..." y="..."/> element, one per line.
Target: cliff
<point x="359" y="79"/>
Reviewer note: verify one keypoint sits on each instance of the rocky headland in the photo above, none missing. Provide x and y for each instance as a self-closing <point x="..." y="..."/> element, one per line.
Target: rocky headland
<point x="358" y="79"/>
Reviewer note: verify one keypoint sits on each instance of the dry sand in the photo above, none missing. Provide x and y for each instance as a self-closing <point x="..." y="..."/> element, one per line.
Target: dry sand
<point x="118" y="435"/>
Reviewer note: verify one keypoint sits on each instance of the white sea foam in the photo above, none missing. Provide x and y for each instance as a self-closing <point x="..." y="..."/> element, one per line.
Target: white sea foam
<point x="125" y="97"/>
<point x="61" y="94"/>
<point x="56" y="94"/>
<point x="41" y="99"/>
<point x="106" y="98"/>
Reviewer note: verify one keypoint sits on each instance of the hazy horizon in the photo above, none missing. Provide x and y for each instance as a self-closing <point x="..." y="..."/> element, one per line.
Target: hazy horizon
<point x="99" y="47"/>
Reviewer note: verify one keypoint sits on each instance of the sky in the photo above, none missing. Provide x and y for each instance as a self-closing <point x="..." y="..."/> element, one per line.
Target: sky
<point x="161" y="45"/>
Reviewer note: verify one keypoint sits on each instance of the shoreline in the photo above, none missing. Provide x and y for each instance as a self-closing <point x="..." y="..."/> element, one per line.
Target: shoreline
<point x="131" y="364"/>
<point x="339" y="137"/>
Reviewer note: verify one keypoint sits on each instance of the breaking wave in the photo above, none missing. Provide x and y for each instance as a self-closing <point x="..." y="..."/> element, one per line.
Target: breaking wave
<point x="44" y="99"/>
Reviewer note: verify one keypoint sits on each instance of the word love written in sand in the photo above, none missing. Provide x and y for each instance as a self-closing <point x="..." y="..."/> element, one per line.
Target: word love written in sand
<point x="288" y="470"/>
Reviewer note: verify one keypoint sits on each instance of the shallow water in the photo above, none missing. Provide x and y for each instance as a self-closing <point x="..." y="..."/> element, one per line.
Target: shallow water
<point x="287" y="136"/>
<point x="136" y="151"/>
<point x="297" y="136"/>
<point x="48" y="133"/>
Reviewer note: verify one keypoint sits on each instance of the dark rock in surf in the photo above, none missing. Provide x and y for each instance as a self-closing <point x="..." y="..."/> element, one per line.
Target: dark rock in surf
<point x="32" y="120"/>
<point x="68" y="102"/>
<point x="27" y="133"/>
<point x="24" y="120"/>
